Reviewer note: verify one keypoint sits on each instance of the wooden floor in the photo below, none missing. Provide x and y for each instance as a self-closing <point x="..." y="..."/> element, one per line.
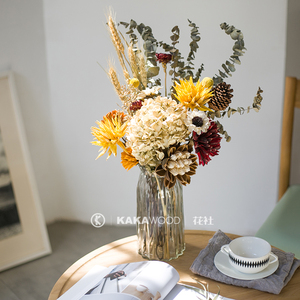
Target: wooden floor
<point x="70" y="241"/>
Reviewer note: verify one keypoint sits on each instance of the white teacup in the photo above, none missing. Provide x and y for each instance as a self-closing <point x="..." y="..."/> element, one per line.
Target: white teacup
<point x="249" y="254"/>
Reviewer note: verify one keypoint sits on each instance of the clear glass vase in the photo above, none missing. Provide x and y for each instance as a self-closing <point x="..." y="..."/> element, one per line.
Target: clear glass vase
<point x="160" y="222"/>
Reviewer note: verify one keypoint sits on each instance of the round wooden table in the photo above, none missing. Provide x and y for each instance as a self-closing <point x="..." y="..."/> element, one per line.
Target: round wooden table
<point x="125" y="250"/>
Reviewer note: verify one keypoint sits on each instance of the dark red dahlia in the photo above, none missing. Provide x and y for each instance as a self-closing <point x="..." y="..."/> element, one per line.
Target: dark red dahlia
<point x="163" y="58"/>
<point x="207" y="143"/>
<point x="136" y="105"/>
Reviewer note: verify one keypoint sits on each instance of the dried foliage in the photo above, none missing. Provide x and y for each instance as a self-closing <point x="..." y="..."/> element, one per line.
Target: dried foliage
<point x="143" y="65"/>
<point x="159" y="132"/>
<point x="238" y="50"/>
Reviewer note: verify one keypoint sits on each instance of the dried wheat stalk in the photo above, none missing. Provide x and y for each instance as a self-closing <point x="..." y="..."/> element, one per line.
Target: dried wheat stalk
<point x="142" y="68"/>
<point x="115" y="35"/>
<point x="116" y="40"/>
<point x="115" y="81"/>
<point x="133" y="63"/>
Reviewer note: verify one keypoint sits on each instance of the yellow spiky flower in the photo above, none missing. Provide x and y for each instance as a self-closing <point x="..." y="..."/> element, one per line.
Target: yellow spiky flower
<point x="193" y="96"/>
<point x="111" y="129"/>
<point x="128" y="160"/>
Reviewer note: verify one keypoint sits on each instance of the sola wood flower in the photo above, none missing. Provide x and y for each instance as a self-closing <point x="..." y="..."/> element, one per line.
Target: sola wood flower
<point x="111" y="129"/>
<point x="179" y="163"/>
<point x="207" y="144"/>
<point x="128" y="160"/>
<point x="149" y="93"/>
<point x="194" y="96"/>
<point x="197" y="121"/>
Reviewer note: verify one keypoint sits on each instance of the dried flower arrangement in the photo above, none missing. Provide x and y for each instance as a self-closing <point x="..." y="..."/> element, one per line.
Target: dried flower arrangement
<point x="160" y="132"/>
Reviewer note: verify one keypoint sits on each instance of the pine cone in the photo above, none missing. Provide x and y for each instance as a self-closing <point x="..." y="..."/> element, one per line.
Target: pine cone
<point x="222" y="97"/>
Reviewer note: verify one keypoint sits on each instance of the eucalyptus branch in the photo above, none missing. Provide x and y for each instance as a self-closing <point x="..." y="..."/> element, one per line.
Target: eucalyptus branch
<point x="256" y="106"/>
<point x="238" y="50"/>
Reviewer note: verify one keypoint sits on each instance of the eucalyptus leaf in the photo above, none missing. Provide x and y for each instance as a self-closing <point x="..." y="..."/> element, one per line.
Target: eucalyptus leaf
<point x="175" y="29"/>
<point x="229" y="112"/>
<point x="222" y="74"/>
<point x="174" y="37"/>
<point x="140" y="28"/>
<point x="235" y="60"/>
<point x="132" y="24"/>
<point x="124" y="24"/>
<point x="230" y="66"/>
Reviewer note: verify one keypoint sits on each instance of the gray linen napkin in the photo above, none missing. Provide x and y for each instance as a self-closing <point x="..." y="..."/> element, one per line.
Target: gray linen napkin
<point x="204" y="266"/>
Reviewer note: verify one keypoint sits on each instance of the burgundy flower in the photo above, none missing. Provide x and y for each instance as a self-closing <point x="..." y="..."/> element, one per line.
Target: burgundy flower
<point x="136" y="105"/>
<point x="207" y="143"/>
<point x="163" y="58"/>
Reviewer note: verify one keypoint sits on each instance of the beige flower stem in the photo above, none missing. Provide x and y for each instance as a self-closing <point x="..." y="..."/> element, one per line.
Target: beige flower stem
<point x="165" y="70"/>
<point x="164" y="212"/>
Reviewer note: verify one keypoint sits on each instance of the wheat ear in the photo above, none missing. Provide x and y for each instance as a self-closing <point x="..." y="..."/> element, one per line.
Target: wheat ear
<point x="122" y="63"/>
<point x="142" y="68"/>
<point x="115" y="81"/>
<point x="115" y="35"/>
<point x="133" y="62"/>
<point x="116" y="40"/>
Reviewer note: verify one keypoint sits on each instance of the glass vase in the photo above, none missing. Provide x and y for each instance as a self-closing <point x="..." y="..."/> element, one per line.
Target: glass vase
<point x="160" y="222"/>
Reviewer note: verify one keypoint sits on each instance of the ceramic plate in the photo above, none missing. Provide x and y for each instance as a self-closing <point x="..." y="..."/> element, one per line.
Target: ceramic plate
<point x="222" y="264"/>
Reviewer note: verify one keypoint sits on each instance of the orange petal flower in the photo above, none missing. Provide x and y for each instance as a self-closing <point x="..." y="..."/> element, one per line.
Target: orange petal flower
<point x="128" y="160"/>
<point x="111" y="129"/>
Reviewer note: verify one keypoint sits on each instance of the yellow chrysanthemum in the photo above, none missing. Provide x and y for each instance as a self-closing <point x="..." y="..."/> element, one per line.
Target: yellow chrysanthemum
<point x="193" y="96"/>
<point x="127" y="159"/>
<point x="111" y="129"/>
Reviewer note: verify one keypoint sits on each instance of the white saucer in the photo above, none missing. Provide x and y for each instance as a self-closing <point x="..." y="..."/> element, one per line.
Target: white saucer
<point x="222" y="264"/>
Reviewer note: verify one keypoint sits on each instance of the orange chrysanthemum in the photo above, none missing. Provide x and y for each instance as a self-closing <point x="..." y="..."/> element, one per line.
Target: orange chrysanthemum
<point x="111" y="129"/>
<point x="127" y="159"/>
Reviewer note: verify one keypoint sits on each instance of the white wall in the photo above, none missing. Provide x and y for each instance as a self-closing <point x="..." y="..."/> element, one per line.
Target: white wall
<point x="63" y="91"/>
<point x="22" y="50"/>
<point x="239" y="187"/>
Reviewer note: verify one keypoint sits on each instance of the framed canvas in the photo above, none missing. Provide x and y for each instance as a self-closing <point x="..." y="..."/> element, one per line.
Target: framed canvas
<point x="23" y="233"/>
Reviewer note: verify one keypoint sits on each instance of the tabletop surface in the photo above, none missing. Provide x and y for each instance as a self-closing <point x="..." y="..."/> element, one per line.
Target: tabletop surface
<point x="125" y="250"/>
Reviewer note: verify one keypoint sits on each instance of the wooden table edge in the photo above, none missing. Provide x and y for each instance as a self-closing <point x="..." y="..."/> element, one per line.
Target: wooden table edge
<point x="60" y="283"/>
<point x="63" y="279"/>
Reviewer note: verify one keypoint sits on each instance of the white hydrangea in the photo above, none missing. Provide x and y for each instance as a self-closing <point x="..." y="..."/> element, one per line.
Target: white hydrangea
<point x="158" y="124"/>
<point x="197" y="114"/>
<point x="149" y="92"/>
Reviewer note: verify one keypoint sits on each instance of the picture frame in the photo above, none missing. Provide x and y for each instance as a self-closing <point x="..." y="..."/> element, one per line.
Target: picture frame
<point x="23" y="233"/>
